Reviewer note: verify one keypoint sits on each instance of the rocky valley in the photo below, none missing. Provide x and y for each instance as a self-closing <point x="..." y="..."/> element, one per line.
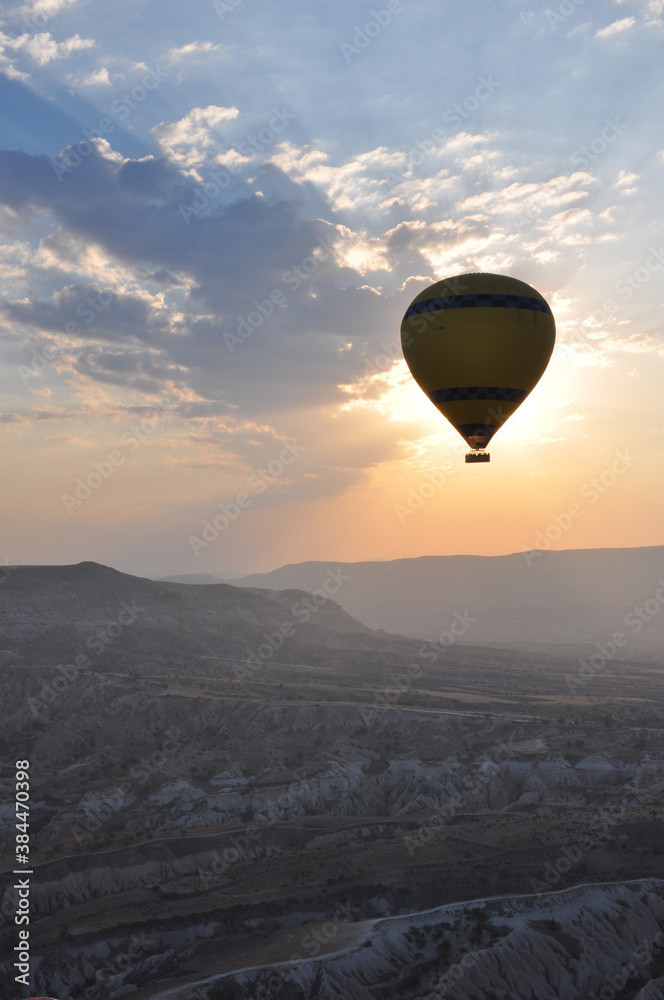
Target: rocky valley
<point x="241" y="792"/>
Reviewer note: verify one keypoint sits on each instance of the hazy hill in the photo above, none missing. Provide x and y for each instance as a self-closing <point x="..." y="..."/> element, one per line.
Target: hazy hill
<point x="53" y="613"/>
<point x="575" y="597"/>
<point x="199" y="578"/>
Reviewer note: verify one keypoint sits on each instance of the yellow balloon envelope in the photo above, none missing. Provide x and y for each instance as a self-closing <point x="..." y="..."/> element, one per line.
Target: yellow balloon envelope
<point x="477" y="344"/>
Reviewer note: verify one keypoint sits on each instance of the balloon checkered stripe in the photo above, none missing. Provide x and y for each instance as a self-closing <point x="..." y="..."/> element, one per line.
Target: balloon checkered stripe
<point x="478" y="392"/>
<point x="484" y="300"/>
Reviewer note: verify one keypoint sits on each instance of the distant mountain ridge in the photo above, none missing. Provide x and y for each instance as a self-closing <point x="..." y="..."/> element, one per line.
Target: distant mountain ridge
<point x="199" y="578"/>
<point x="574" y="597"/>
<point x="49" y="612"/>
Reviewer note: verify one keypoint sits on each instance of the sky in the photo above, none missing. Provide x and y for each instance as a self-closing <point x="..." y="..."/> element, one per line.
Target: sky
<point x="213" y="218"/>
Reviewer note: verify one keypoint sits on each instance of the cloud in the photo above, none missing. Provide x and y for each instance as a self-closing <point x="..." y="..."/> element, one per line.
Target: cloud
<point x="96" y="78"/>
<point x="482" y="161"/>
<point x="13" y="418"/>
<point x="192" y="49"/>
<point x="346" y="185"/>
<point x="625" y="177"/>
<point x="651" y="10"/>
<point x="220" y="332"/>
<point x="139" y="370"/>
<point x="90" y="312"/>
<point x="131" y="208"/>
<point x="189" y="140"/>
<point x="375" y="184"/>
<point x="45" y="8"/>
<point x="10" y="71"/>
<point x="464" y="139"/>
<point x="616" y="27"/>
<point x="43" y="48"/>
<point x="518" y="197"/>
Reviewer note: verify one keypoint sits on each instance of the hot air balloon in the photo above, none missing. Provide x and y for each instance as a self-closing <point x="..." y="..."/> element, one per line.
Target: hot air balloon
<point x="477" y="344"/>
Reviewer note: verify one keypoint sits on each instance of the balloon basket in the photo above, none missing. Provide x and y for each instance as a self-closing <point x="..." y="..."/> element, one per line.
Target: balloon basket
<point x="478" y="456"/>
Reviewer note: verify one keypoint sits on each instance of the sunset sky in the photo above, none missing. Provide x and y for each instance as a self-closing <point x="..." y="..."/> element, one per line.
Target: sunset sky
<point x="214" y="216"/>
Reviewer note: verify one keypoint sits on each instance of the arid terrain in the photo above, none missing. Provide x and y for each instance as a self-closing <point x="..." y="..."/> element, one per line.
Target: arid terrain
<point x="248" y="793"/>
